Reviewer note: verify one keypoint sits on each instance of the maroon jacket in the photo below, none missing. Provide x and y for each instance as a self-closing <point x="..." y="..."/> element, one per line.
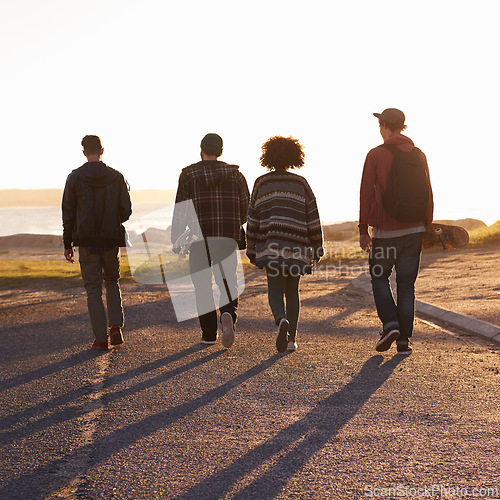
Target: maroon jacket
<point x="375" y="176"/>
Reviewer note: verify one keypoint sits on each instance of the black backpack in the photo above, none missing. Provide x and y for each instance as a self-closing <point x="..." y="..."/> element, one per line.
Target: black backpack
<point x="407" y="193"/>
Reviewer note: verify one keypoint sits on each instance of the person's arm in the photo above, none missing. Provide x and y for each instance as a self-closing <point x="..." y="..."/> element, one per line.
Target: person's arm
<point x="68" y="216"/>
<point x="429" y="216"/>
<point x="179" y="217"/>
<point x="69" y="255"/>
<point x="313" y="221"/>
<point x="244" y="199"/>
<point x="365" y="242"/>
<point x="366" y="200"/>
<point x="253" y="226"/>
<point x="125" y="204"/>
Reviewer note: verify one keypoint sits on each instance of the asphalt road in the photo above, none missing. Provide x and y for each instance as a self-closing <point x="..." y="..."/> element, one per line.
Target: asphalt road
<point x="164" y="417"/>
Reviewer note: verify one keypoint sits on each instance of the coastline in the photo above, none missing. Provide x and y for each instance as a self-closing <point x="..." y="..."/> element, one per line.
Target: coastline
<point x="33" y="198"/>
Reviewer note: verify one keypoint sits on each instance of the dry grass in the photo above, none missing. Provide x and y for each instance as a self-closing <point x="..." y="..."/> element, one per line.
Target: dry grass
<point x="34" y="272"/>
<point x="348" y="251"/>
<point x="15" y="272"/>
<point x="485" y="236"/>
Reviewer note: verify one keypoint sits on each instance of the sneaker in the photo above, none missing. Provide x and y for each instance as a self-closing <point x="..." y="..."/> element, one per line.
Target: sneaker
<point x="208" y="342"/>
<point x="227" y="330"/>
<point x="404" y="347"/>
<point x="388" y="336"/>
<point x="115" y="335"/>
<point x="292" y="344"/>
<point x="281" y="339"/>
<point x="100" y="346"/>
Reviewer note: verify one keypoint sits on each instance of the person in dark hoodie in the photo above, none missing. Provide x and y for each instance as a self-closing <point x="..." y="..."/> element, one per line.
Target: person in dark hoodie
<point x="397" y="236"/>
<point x="96" y="201"/>
<point x="220" y="196"/>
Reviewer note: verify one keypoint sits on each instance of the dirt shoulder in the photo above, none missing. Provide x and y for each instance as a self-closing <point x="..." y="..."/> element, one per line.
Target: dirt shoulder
<point x="463" y="281"/>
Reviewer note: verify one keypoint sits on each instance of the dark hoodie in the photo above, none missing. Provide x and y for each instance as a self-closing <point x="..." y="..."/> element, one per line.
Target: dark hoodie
<point x="95" y="202"/>
<point x="220" y="196"/>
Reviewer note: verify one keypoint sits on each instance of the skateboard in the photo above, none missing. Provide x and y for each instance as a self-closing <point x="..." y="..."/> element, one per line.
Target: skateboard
<point x="184" y="242"/>
<point x="445" y="235"/>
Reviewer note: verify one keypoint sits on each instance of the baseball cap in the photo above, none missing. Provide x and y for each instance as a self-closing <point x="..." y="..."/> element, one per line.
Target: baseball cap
<point x="212" y="144"/>
<point x="391" y="115"/>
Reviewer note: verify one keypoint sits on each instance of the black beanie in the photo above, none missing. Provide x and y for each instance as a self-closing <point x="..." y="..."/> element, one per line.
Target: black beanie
<point x="212" y="144"/>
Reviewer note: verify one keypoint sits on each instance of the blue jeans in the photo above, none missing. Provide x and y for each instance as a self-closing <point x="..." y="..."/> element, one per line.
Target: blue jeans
<point x="402" y="254"/>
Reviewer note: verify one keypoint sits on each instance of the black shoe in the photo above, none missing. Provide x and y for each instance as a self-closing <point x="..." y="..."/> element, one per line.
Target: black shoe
<point x="388" y="336"/>
<point x="281" y="338"/>
<point x="404" y="347"/>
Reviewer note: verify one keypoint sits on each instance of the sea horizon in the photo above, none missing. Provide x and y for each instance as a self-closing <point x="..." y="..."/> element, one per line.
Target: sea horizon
<point x="48" y="220"/>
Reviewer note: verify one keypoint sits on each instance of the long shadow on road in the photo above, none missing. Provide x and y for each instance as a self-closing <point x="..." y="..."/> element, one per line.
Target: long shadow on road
<point x="150" y="313"/>
<point x="38" y="483"/>
<point x="309" y="435"/>
<point x="77" y="411"/>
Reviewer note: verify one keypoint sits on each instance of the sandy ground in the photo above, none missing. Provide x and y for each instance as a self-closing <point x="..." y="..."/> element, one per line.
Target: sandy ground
<point x="464" y="281"/>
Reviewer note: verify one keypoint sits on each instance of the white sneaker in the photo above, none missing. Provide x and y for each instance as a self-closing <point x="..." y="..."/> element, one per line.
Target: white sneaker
<point x="208" y="342"/>
<point x="292" y="345"/>
<point x="227" y="330"/>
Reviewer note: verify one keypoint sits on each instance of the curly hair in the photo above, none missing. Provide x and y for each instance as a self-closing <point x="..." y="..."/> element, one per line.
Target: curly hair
<point x="282" y="153"/>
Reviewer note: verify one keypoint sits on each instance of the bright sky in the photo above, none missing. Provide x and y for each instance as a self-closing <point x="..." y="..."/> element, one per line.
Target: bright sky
<point x="151" y="77"/>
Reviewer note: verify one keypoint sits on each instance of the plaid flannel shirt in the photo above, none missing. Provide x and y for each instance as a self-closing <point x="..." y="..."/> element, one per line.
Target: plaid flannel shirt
<point x="220" y="196"/>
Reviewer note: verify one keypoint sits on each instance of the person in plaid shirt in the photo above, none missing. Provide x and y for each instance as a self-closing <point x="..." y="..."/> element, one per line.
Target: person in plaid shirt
<point x="220" y="196"/>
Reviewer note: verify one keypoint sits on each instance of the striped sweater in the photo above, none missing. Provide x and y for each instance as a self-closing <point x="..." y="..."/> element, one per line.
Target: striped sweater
<point x="283" y="229"/>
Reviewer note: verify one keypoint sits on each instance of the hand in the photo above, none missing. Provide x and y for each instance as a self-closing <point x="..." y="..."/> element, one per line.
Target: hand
<point x="365" y="242"/>
<point x="69" y="254"/>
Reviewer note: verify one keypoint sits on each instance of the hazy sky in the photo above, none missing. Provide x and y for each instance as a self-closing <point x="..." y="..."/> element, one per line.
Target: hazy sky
<point x="151" y="77"/>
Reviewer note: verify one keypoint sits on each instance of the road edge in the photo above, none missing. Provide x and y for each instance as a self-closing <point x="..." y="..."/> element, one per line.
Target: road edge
<point x="471" y="325"/>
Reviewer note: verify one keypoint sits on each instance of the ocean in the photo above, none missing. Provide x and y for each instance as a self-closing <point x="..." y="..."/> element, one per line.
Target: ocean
<point x="47" y="220"/>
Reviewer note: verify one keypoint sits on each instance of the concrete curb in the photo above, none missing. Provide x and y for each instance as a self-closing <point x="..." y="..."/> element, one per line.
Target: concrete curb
<point x="472" y="325"/>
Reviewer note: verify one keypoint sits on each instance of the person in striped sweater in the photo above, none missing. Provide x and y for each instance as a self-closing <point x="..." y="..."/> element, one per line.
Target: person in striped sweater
<point x="284" y="234"/>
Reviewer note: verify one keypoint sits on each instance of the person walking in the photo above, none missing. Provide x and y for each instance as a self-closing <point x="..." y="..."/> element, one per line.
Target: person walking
<point x="95" y="203"/>
<point x="396" y="202"/>
<point x="220" y="196"/>
<point x="284" y="234"/>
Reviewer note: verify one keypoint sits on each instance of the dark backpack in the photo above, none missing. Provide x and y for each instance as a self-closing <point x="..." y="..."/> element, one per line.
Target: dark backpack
<point x="407" y="192"/>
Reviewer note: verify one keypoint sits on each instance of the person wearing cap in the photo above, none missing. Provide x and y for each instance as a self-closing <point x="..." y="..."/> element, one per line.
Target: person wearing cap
<point x="220" y="196"/>
<point x="393" y="244"/>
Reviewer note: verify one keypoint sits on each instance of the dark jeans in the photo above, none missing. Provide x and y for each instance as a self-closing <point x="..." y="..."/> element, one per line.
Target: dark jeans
<point x="217" y="256"/>
<point x="283" y="286"/>
<point x="96" y="267"/>
<point x="403" y="255"/>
